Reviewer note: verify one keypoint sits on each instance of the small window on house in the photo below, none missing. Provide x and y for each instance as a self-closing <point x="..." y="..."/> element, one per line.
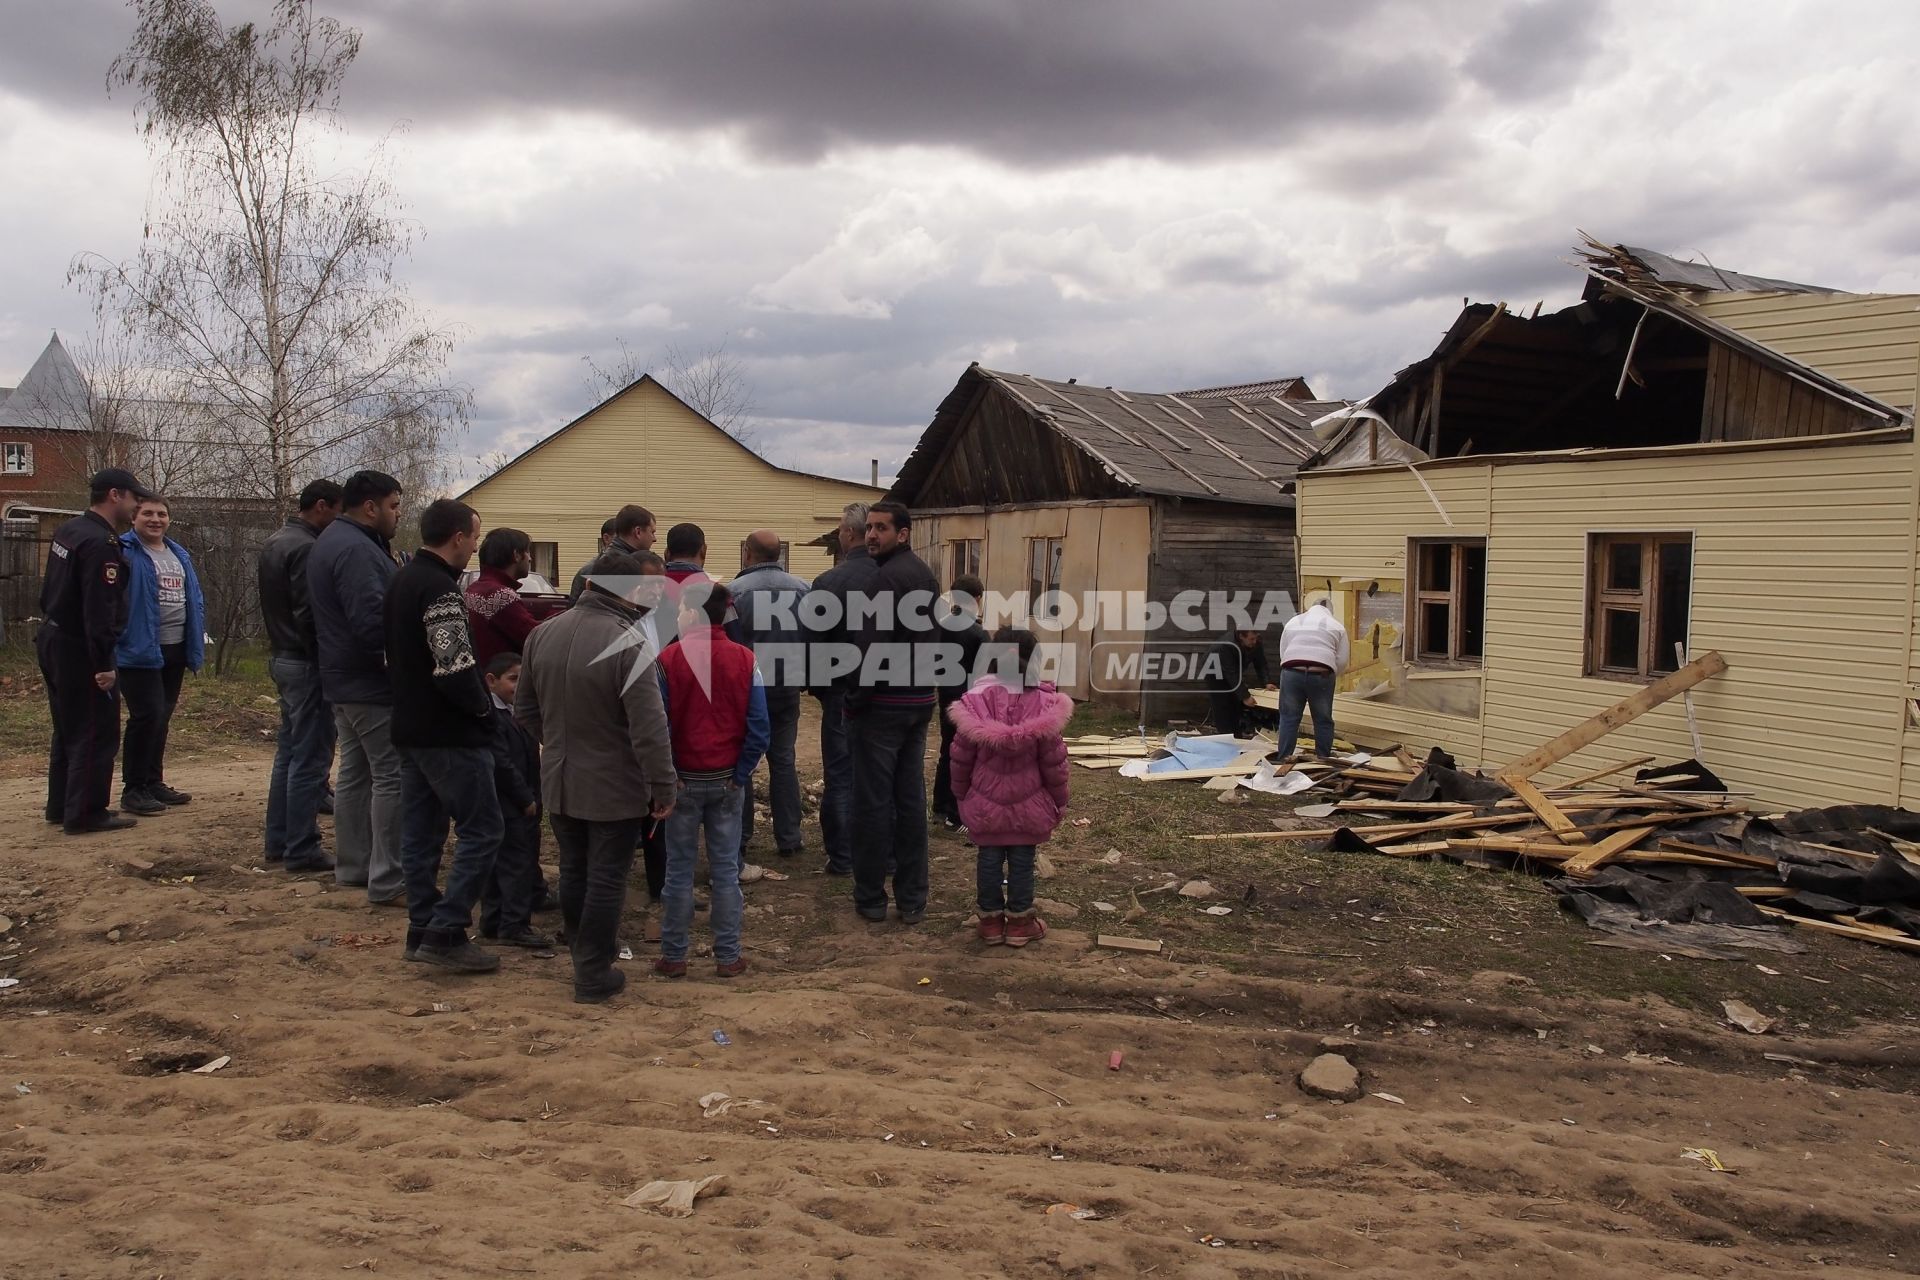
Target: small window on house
<point x="743" y="553"/>
<point x="16" y="459"/>
<point x="1448" y="608"/>
<point x="963" y="559"/>
<point x="546" y="560"/>
<point x="1043" y="574"/>
<point x="1639" y="592"/>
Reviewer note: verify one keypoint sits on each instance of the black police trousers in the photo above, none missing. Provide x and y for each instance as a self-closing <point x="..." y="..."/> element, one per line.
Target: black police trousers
<point x="86" y="731"/>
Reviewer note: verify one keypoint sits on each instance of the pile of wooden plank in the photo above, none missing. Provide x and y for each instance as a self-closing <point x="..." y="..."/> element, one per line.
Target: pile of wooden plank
<point x="1669" y="822"/>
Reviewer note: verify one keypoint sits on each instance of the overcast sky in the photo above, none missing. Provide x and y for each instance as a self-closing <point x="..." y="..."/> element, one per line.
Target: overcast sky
<point x="861" y="196"/>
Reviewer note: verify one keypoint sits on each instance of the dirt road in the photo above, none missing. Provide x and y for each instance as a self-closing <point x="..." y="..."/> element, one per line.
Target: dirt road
<point x="919" y="1102"/>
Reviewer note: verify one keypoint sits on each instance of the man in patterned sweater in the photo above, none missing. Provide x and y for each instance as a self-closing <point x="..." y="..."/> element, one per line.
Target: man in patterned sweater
<point x="443" y="730"/>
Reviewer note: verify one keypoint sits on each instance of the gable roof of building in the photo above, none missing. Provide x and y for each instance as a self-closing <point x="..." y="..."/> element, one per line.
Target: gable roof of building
<point x="52" y="397"/>
<point x="635" y="385"/>
<point x="1229" y="449"/>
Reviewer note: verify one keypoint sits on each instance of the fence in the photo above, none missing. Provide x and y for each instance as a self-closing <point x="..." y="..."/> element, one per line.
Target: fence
<point x="23" y="557"/>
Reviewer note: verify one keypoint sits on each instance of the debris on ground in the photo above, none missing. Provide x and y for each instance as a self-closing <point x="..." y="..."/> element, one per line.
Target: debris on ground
<point x="675" y="1199"/>
<point x="1709" y="1158"/>
<point x="718" y="1104"/>
<point x="1667" y="862"/>
<point x="1747" y="1018"/>
<point x="1120" y="942"/>
<point x="209" y="1068"/>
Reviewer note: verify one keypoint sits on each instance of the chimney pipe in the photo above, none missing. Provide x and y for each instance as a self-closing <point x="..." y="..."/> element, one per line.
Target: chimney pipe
<point x="876" y="473"/>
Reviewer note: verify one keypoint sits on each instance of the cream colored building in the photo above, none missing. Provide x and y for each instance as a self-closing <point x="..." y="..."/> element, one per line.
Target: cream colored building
<point x="646" y="445"/>
<point x="1707" y="492"/>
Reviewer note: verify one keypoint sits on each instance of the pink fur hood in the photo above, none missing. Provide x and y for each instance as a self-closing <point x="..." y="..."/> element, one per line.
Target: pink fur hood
<point x="993" y="714"/>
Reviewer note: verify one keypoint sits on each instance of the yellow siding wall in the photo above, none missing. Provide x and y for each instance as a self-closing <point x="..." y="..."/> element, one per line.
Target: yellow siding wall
<point x="1867" y="340"/>
<point x="1802" y="578"/>
<point x="645" y="446"/>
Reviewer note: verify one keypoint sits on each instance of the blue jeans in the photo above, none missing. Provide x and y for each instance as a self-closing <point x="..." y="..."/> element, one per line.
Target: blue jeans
<point x="438" y="783"/>
<point x="836" y="797"/>
<point x="1017" y="893"/>
<point x="890" y="807"/>
<point x="1299" y="690"/>
<point x="713" y="807"/>
<point x="301" y="757"/>
<point x="367" y="803"/>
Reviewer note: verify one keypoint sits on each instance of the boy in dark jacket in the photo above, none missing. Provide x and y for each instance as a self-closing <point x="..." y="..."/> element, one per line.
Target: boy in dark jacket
<point x="509" y="896"/>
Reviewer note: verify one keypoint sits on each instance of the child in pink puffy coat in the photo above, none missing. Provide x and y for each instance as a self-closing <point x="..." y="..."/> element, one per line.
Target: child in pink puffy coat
<point x="1009" y="772"/>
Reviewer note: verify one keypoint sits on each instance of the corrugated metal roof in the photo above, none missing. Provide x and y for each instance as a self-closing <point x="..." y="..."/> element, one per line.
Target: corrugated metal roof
<point x="1228" y="449"/>
<point x="1295" y="388"/>
<point x="1629" y="264"/>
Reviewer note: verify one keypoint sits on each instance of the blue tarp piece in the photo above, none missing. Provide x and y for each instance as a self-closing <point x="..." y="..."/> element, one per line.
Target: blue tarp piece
<point x="1198" y="755"/>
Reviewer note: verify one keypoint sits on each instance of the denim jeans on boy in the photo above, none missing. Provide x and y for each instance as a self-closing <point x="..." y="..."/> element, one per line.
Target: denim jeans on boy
<point x="889" y="807"/>
<point x="437" y="784"/>
<point x="712" y="806"/>
<point x="1017" y="895"/>
<point x="595" y="860"/>
<point x="301" y="757"/>
<point x="1299" y="689"/>
<point x="836" y="796"/>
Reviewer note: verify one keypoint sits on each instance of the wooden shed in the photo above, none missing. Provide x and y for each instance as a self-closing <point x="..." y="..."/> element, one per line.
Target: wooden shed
<point x="1039" y="486"/>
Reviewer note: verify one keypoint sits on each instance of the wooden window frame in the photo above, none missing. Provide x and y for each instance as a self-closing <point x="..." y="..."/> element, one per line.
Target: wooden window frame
<point x="959" y="551"/>
<point x="1049" y="582"/>
<point x="1454" y="597"/>
<point x="1645" y="601"/>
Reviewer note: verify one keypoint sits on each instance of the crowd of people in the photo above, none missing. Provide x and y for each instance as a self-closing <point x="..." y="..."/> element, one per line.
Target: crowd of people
<point x="634" y="722"/>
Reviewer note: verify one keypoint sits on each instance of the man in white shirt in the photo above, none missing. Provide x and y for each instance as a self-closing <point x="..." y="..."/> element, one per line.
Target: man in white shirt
<point x="1313" y="652"/>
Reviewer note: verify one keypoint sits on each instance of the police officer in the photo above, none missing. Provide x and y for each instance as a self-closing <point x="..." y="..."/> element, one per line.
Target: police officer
<point x="83" y="599"/>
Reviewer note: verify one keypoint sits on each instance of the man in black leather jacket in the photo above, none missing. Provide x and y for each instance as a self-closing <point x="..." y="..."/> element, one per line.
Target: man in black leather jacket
<point x="305" y="748"/>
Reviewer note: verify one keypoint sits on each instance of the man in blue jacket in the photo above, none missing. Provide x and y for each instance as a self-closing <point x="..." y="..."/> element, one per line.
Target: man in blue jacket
<point x="348" y="572"/>
<point x="165" y="638"/>
<point x="767" y="600"/>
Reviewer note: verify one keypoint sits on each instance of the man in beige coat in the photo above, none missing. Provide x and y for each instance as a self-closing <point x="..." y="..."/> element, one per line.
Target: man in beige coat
<point x="589" y="693"/>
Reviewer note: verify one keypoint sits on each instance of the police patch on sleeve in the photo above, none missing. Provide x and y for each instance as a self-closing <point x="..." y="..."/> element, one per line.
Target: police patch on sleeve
<point x="111" y="571"/>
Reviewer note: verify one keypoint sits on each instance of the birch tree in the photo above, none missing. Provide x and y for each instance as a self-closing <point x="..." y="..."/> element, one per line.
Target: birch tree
<point x="267" y="281"/>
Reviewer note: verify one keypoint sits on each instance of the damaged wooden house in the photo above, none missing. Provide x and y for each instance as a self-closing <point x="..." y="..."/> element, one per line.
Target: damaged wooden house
<point x="1551" y="509"/>
<point x="1041" y="487"/>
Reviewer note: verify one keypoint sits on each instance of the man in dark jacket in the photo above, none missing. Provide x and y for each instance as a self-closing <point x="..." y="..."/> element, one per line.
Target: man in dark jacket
<point x="348" y="572"/>
<point x="443" y="730"/>
<point x="887" y="712"/>
<point x="962" y="628"/>
<point x="853" y="575"/>
<point x="1239" y="667"/>
<point x="630" y="530"/>
<point x="304" y="751"/>
<point x="83" y="598"/>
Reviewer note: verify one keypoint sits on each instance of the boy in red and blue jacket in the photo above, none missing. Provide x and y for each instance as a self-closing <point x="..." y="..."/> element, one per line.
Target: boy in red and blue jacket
<point x="717" y="715"/>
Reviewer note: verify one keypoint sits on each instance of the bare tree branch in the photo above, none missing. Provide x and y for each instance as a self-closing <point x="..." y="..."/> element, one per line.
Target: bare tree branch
<point x="713" y="381"/>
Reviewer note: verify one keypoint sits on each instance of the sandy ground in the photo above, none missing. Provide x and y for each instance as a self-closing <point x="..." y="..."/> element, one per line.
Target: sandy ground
<point x="921" y="1101"/>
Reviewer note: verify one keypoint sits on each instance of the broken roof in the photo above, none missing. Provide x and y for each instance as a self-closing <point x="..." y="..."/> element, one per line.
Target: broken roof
<point x="1230" y="449"/>
<point x="1655" y="272"/>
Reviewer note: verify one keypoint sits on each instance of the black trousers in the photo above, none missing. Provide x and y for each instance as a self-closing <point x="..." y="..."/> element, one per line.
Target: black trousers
<point x="151" y="694"/>
<point x="86" y="730"/>
<point x="653" y="856"/>
<point x="944" y="805"/>
<point x="507" y="894"/>
<point x="595" y="860"/>
<point x="890" y="807"/>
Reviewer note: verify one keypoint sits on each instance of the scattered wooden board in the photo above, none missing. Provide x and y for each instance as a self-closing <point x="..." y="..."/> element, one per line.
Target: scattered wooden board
<point x="1548" y="812"/>
<point x="1607" y="772"/>
<point x="1120" y="942"/>
<point x="1865" y="934"/>
<point x="1585" y="863"/>
<point x="1586" y="733"/>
